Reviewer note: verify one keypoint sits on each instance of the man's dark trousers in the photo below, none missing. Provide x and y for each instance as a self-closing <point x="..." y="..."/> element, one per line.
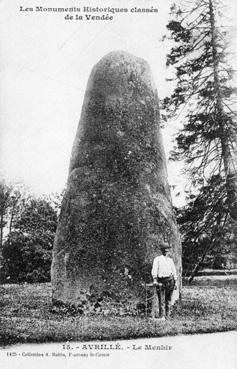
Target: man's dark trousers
<point x="164" y="291"/>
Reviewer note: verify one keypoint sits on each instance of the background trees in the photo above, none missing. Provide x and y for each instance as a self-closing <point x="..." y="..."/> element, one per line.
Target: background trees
<point x="11" y="200"/>
<point x="205" y="100"/>
<point x="28" y="230"/>
<point x="206" y="228"/>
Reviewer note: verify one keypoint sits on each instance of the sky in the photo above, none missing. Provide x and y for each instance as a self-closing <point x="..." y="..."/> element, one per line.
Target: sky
<point x="45" y="64"/>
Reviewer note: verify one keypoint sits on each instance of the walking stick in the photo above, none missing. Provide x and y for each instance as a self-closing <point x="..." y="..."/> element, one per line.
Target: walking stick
<point x="146" y="298"/>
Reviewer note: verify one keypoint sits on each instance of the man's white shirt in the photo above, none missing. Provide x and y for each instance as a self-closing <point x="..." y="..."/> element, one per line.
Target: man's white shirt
<point x="163" y="266"/>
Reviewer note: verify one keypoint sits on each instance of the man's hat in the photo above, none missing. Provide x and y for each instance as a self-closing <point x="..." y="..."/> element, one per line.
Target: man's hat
<point x="164" y="245"/>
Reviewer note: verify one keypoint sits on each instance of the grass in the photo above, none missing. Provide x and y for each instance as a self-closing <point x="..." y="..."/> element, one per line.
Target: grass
<point x="26" y="315"/>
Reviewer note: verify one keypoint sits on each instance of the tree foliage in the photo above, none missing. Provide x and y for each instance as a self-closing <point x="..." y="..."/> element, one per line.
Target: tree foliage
<point x="6" y="200"/>
<point x="27" y="248"/>
<point x="205" y="93"/>
<point x="204" y="98"/>
<point x="11" y="199"/>
<point x="206" y="228"/>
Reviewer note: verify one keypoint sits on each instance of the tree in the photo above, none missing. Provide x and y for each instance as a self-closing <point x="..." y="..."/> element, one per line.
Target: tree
<point x="27" y="251"/>
<point x="207" y="141"/>
<point x="206" y="228"/>
<point x="4" y="204"/>
<point x="205" y="101"/>
<point x="11" y="201"/>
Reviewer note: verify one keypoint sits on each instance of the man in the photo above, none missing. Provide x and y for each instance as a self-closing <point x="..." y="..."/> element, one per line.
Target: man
<point x="165" y="279"/>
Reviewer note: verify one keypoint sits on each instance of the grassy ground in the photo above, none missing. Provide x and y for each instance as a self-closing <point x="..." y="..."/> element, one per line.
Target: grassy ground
<point x="26" y="315"/>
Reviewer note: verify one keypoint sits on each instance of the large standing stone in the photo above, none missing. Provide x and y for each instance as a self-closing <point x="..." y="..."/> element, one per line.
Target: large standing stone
<point x="117" y="193"/>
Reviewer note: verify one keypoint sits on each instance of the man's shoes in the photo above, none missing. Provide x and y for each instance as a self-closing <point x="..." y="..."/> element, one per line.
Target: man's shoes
<point x="161" y="319"/>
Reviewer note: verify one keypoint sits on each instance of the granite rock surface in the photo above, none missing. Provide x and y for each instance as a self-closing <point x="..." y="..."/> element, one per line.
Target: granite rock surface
<point x="117" y="197"/>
